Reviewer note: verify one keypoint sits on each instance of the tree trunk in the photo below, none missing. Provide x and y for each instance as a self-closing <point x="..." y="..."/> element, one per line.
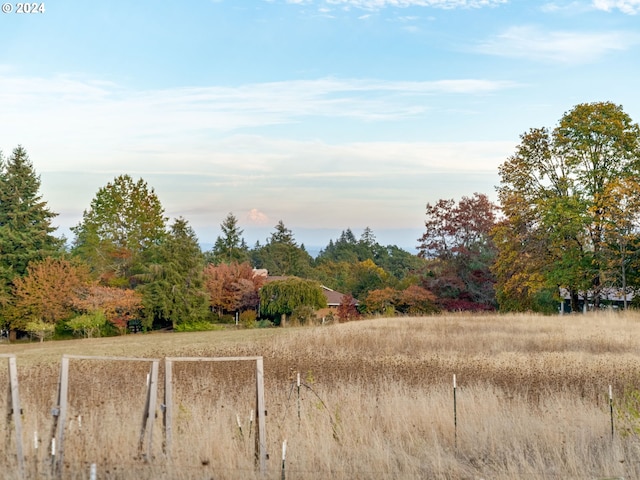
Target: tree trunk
<point x="574" y="301"/>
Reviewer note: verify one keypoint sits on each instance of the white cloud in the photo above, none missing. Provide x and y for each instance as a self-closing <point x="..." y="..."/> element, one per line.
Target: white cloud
<point x="630" y="7"/>
<point x="563" y="47"/>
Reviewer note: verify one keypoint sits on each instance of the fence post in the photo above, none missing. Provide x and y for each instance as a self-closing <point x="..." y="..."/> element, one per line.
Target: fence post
<point x="455" y="415"/>
<point x="14" y="411"/>
<point x="611" y="408"/>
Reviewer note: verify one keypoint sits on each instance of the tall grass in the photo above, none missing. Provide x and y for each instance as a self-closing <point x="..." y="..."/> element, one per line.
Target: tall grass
<point x="376" y="400"/>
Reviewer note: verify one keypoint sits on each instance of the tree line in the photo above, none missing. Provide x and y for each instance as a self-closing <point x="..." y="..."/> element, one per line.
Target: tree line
<point x="128" y="262"/>
<point x="567" y="220"/>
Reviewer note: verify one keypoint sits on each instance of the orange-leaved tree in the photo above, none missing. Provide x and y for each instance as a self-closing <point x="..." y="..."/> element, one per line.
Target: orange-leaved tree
<point x="47" y="292"/>
<point x="232" y="287"/>
<point x="119" y="305"/>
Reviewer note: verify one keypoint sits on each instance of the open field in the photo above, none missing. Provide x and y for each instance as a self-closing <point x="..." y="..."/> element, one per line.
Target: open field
<point x="376" y="400"/>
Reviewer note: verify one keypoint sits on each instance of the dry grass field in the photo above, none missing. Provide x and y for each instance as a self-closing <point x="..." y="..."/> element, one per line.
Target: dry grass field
<point x="376" y="401"/>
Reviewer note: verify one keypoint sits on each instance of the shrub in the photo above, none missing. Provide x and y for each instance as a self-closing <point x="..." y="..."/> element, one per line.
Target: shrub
<point x="248" y="319"/>
<point x="40" y="329"/>
<point x="87" y="325"/>
<point x="197" y="326"/>
<point x="347" y="309"/>
<point x="304" y="315"/>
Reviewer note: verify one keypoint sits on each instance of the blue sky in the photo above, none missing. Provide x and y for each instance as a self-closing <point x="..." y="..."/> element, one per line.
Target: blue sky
<point x="326" y="114"/>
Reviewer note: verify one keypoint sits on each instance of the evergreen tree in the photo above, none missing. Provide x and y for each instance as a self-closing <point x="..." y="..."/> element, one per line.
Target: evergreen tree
<point x="230" y="247"/>
<point x="175" y="292"/>
<point x="281" y="255"/>
<point x="25" y="221"/>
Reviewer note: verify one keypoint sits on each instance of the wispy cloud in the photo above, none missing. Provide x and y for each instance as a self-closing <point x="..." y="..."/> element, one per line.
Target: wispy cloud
<point x="192" y="145"/>
<point x="104" y="116"/>
<point x="278" y="178"/>
<point x="630" y="7"/>
<point x="444" y="4"/>
<point x="557" y="46"/>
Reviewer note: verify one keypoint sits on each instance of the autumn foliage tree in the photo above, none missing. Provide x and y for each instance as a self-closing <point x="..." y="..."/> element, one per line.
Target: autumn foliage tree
<point x="382" y="300"/>
<point x="47" y="292"/>
<point x="558" y="196"/>
<point x="118" y="305"/>
<point x="413" y="300"/>
<point x="232" y="287"/>
<point x="347" y="309"/>
<point x="458" y="243"/>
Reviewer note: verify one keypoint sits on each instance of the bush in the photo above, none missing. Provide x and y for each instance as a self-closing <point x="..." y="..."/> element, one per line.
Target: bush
<point x="87" y="325"/>
<point x="227" y="319"/>
<point x="197" y="326"/>
<point x="248" y="319"/>
<point x="304" y="315"/>
<point x="40" y="329"/>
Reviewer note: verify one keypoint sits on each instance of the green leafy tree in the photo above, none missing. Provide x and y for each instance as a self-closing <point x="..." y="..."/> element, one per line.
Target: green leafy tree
<point x="117" y="233"/>
<point x="40" y="329"/>
<point x="230" y="247"/>
<point x="26" y="233"/>
<point x="174" y="292"/>
<point x="556" y="196"/>
<point x="282" y="297"/>
<point x="87" y="325"/>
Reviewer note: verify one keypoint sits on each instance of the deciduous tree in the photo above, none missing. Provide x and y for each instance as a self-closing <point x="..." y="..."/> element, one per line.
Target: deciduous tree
<point x="47" y="292"/>
<point x="282" y="297"/>
<point x="347" y="309"/>
<point x="232" y="287"/>
<point x="458" y="244"/>
<point x="119" y="305"/>
<point x="124" y="221"/>
<point x="556" y="195"/>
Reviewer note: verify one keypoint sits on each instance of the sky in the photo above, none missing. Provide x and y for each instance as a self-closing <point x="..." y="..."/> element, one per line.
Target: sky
<point x="325" y="114"/>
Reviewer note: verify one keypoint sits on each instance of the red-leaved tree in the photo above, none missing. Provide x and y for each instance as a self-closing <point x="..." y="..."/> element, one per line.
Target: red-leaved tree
<point x="457" y="241"/>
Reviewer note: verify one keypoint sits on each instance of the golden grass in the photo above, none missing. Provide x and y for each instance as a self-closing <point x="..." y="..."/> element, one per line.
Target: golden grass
<point x="376" y="400"/>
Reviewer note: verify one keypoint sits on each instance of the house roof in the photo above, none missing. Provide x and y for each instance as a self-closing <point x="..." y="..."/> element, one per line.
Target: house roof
<point x="333" y="298"/>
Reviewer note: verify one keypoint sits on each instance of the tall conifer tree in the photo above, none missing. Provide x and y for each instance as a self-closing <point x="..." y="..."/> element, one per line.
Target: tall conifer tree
<point x="26" y="233"/>
<point x="175" y="293"/>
